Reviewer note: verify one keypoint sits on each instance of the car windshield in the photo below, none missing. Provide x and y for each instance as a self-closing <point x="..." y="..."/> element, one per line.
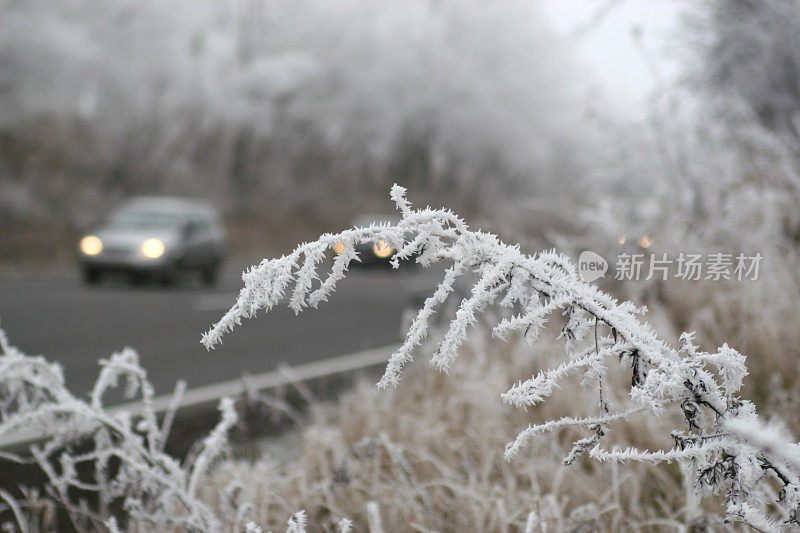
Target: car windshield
<point x="140" y="219"/>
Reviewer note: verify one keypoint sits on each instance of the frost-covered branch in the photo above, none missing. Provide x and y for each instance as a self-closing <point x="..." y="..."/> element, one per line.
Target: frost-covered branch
<point x="124" y="451"/>
<point x="597" y="330"/>
<point x="116" y="455"/>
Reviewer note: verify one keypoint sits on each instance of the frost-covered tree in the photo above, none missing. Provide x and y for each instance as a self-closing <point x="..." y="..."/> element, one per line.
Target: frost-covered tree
<point x="715" y="163"/>
<point x="750" y="50"/>
<point x="597" y="330"/>
<point x="275" y="100"/>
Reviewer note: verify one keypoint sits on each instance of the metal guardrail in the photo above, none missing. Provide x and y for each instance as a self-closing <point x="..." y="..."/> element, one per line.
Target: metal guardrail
<point x="211" y="394"/>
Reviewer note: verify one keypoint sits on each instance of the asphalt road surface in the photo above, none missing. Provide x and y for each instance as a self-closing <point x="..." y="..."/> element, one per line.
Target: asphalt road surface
<point x="76" y="325"/>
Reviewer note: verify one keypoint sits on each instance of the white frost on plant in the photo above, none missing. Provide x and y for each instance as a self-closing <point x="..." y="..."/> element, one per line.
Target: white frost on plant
<point x="345" y="525"/>
<point x="772" y="439"/>
<point x="125" y="451"/>
<point x="597" y="329"/>
<point x="297" y="522"/>
<point x="252" y="527"/>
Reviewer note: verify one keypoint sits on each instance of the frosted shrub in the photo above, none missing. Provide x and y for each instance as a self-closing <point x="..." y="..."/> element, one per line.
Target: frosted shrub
<point x="115" y="455"/>
<point x="715" y="447"/>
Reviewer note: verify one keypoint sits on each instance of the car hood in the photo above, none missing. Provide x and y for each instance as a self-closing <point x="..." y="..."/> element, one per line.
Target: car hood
<point x="132" y="239"/>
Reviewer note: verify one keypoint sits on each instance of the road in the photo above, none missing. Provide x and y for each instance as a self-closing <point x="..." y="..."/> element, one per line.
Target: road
<point x="76" y="325"/>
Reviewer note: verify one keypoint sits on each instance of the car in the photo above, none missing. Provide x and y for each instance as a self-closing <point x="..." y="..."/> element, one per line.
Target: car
<point x="157" y="237"/>
<point x="372" y="253"/>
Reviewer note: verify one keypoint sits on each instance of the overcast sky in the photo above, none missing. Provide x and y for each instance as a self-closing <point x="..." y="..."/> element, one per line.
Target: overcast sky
<point x="603" y="30"/>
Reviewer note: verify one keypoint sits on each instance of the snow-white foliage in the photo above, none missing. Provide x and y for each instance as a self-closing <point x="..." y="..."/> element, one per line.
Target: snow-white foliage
<point x="124" y="451"/>
<point x="770" y="438"/>
<point x="345" y="525"/>
<point x="598" y="330"/>
<point x="297" y="523"/>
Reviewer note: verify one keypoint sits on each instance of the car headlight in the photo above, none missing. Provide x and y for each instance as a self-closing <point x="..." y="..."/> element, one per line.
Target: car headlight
<point x="152" y="248"/>
<point x="382" y="249"/>
<point x="91" y="245"/>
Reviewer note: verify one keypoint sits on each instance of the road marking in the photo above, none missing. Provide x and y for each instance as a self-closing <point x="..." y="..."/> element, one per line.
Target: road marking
<point x="214" y="302"/>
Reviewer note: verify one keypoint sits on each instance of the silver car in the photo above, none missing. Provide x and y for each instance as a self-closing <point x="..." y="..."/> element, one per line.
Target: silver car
<point x="156" y="237"/>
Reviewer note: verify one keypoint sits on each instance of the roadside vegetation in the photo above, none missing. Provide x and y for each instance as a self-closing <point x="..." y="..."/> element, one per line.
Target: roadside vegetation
<point x="425" y="463"/>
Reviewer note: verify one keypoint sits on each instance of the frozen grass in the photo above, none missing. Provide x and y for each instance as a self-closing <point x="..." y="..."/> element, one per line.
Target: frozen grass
<point x="703" y="386"/>
<point x="431" y="454"/>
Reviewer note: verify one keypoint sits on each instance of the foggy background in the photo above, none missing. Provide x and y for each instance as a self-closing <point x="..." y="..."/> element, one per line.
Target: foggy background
<point x="286" y="114"/>
<point x="575" y="125"/>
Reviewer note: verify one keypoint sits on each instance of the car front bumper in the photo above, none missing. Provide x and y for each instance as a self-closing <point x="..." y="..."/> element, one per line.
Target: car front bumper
<point x="128" y="262"/>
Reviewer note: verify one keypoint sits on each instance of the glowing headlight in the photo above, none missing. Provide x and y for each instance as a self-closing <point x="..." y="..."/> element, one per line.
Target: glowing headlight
<point x="645" y="241"/>
<point x="338" y="248"/>
<point x="91" y="245"/>
<point x="152" y="248"/>
<point x="382" y="249"/>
